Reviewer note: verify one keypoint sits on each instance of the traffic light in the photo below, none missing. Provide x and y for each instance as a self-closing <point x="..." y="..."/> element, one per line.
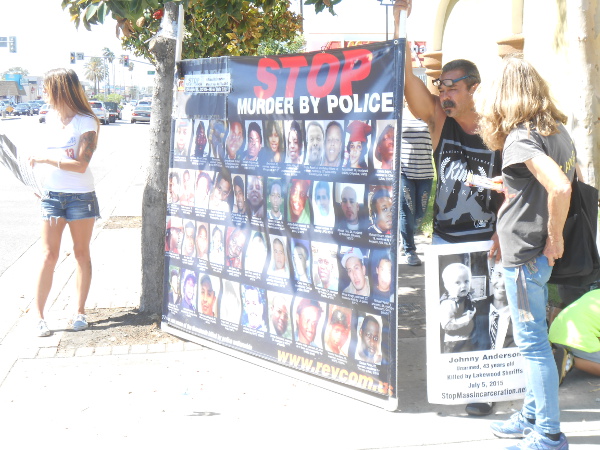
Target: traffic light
<point x="72" y="57"/>
<point x="126" y="60"/>
<point x="12" y="44"/>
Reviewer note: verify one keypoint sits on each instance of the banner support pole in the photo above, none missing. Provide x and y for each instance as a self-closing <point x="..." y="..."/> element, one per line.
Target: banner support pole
<point x="179" y="39"/>
<point x="402" y="25"/>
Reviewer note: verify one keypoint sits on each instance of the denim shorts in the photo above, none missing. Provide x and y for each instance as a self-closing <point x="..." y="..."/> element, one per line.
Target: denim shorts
<point x="70" y="206"/>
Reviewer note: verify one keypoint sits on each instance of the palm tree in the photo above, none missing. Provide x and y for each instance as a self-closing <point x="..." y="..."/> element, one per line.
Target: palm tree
<point x="95" y="71"/>
<point x="109" y="56"/>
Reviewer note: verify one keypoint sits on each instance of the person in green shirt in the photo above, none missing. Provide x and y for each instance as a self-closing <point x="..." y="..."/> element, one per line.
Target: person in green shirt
<point x="575" y="336"/>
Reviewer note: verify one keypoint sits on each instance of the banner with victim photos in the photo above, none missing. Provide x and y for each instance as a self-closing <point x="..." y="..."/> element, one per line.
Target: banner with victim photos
<point x="282" y="210"/>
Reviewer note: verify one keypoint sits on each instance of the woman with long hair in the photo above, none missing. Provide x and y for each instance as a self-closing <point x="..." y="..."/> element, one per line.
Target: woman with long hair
<point x="201" y="140"/>
<point x="519" y="117"/>
<point x="69" y="197"/>
<point x="274" y="141"/>
<point x="295" y="147"/>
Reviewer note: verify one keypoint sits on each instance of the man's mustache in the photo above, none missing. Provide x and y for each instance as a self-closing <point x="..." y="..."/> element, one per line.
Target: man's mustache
<point x="448" y="104"/>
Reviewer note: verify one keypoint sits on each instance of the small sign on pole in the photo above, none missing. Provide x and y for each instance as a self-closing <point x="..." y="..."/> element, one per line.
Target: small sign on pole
<point x="79" y="56"/>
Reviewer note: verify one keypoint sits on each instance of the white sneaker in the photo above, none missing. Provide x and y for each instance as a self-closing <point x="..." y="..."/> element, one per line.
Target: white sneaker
<point x="79" y="322"/>
<point x="42" y="329"/>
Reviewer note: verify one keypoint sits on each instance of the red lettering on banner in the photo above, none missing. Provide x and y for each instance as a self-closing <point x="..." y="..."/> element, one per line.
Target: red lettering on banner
<point x="265" y="76"/>
<point x="357" y="66"/>
<point x="293" y="63"/>
<point x="333" y="67"/>
<point x="350" y="72"/>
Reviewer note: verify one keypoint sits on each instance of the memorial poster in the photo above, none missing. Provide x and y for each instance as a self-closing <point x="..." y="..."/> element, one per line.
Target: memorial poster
<point x="471" y="353"/>
<point x="282" y="210"/>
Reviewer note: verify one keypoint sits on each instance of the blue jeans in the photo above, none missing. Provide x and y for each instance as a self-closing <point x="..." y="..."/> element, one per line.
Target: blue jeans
<point x="413" y="204"/>
<point x="527" y="294"/>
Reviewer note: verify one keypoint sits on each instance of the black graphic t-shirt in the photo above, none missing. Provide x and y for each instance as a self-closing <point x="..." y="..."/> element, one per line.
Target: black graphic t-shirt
<point x="463" y="213"/>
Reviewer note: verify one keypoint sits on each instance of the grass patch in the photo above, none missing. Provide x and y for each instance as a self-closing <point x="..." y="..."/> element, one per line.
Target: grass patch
<point x="426" y="226"/>
<point x="553" y="297"/>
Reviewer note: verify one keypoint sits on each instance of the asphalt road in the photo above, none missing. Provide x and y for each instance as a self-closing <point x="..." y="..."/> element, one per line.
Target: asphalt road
<point x="19" y="208"/>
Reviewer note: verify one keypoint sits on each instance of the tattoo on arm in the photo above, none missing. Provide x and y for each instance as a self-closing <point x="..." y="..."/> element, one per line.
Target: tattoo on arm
<point x="87" y="145"/>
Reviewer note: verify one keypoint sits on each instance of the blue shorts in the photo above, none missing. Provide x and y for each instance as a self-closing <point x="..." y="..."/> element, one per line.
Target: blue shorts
<point x="70" y="206"/>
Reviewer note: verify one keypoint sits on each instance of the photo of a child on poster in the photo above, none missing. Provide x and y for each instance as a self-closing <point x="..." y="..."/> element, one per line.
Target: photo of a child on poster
<point x="471" y="355"/>
<point x="282" y="211"/>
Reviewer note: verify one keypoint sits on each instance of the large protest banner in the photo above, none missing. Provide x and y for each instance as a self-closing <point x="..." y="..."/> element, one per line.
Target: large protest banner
<point x="471" y="353"/>
<point x="282" y="211"/>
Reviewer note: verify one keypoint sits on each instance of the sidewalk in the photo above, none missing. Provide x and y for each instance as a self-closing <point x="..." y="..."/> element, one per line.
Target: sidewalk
<point x="188" y="395"/>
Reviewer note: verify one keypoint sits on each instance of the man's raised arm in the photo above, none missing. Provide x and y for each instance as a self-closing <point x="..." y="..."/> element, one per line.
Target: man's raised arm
<point x="421" y="102"/>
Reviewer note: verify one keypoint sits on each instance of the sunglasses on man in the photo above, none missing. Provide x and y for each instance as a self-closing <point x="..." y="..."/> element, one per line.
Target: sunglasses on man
<point x="449" y="83"/>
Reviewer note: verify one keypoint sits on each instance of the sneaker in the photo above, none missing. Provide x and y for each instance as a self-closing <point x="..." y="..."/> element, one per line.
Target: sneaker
<point x="564" y="361"/>
<point x="535" y="441"/>
<point x="42" y="329"/>
<point x="512" y="428"/>
<point x="479" y="409"/>
<point x="79" y="322"/>
<point x="412" y="259"/>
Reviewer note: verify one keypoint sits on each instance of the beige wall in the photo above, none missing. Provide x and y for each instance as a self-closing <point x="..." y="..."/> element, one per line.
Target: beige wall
<point x="564" y="49"/>
<point x="562" y="40"/>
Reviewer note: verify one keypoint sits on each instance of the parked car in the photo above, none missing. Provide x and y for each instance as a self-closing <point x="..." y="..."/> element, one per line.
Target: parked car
<point x="43" y="111"/>
<point x="100" y="111"/>
<point x="141" y="114"/>
<point x="5" y="108"/>
<point x="114" y="111"/>
<point x="35" y="107"/>
<point x="22" y="109"/>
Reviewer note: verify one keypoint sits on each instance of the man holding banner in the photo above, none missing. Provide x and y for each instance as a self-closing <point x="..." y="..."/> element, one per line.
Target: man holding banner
<point x="462" y="213"/>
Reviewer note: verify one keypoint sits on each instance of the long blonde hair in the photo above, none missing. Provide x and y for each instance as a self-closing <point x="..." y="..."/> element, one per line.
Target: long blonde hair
<point x="518" y="96"/>
<point x="64" y="89"/>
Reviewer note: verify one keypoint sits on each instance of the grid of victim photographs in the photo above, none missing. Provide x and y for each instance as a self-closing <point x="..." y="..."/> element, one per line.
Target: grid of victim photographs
<point x="352" y="145"/>
<point x="282" y="229"/>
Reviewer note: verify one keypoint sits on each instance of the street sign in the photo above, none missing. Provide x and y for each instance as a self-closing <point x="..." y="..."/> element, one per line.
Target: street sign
<point x="79" y="56"/>
<point x="151" y="72"/>
<point x="387" y="2"/>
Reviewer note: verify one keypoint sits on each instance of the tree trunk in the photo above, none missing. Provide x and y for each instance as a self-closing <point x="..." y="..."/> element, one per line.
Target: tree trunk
<point x="154" y="201"/>
<point x="585" y="127"/>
